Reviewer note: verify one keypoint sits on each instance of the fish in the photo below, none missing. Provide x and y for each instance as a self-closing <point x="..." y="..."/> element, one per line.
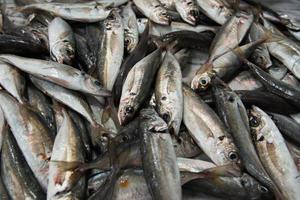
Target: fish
<point x="234" y="115"/>
<point x="3" y="128"/>
<point x="274" y="153"/>
<point x="67" y="147"/>
<point x="65" y="96"/>
<point x="245" y="81"/>
<point x="82" y="12"/>
<point x="137" y="85"/>
<point x="153" y="10"/>
<point x="130" y="28"/>
<point x="188" y="10"/>
<point x="168" y="92"/>
<point x="17" y="177"/>
<point x="61" y="41"/>
<point x="287" y="126"/>
<point x="112" y="49"/>
<point x="207" y="130"/>
<point x="216" y="10"/>
<point x="136" y="55"/>
<point x="162" y="176"/>
<point x="60" y="74"/>
<point x="31" y="134"/>
<point x="13" y="81"/>
<point x="42" y="105"/>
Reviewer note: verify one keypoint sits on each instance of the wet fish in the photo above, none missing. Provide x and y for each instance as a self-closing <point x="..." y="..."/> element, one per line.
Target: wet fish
<point x="153" y="10"/>
<point x="216" y="10"/>
<point x="137" y="86"/>
<point x="162" y="176"/>
<point x="60" y="74"/>
<point x="16" y="174"/>
<point x="66" y="97"/>
<point x="274" y="154"/>
<point x="82" y="12"/>
<point x="207" y="129"/>
<point x="168" y="92"/>
<point x="31" y="134"/>
<point x="188" y="10"/>
<point x="68" y="148"/>
<point x="234" y="114"/>
<point x="112" y="50"/>
<point x="12" y="80"/>
<point x="61" y="41"/>
<point x="40" y="103"/>
<point x="130" y="27"/>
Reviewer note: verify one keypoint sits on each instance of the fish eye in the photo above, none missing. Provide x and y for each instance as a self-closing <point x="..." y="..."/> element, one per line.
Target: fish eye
<point x="164" y="98"/>
<point x="203" y="81"/>
<point x="231" y="98"/>
<point x="261" y="138"/>
<point x="233" y="156"/>
<point x="166" y="117"/>
<point x="263" y="189"/>
<point x="97" y="83"/>
<point x="243" y="182"/>
<point x="254" y="122"/>
<point x="129" y="109"/>
<point x="221" y="138"/>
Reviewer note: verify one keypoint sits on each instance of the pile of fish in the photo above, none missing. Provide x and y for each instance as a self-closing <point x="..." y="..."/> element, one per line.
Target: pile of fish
<point x="148" y="99"/>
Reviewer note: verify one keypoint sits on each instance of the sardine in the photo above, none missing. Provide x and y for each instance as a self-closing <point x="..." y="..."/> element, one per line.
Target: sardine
<point x="188" y="10"/>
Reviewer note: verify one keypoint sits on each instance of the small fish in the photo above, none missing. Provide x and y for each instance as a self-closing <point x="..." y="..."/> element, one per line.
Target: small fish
<point x="168" y="92"/>
<point x="17" y="177"/>
<point x="81" y="12"/>
<point x="274" y="154"/>
<point x="188" y="10"/>
<point x="31" y="134"/>
<point x="61" y="41"/>
<point x="12" y="80"/>
<point x="153" y="10"/>
<point x="60" y="74"/>
<point x="207" y="129"/>
<point x="162" y="176"/>
<point x="130" y="27"/>
<point x="137" y="86"/>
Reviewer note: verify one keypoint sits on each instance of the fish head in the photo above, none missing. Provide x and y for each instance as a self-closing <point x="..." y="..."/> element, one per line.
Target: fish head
<point x="169" y="113"/>
<point x="153" y="121"/>
<point x="253" y="188"/>
<point x="127" y="110"/>
<point x="257" y="124"/>
<point x="226" y="146"/>
<point x="160" y="15"/>
<point x="93" y="84"/>
<point x="63" y="52"/>
<point x="129" y="42"/>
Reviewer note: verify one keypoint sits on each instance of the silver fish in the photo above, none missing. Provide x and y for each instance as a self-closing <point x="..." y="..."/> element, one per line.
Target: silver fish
<point x="82" y="12"/>
<point x="158" y="157"/>
<point x="66" y="97"/>
<point x="274" y="154"/>
<point x="12" y="81"/>
<point x="188" y="10"/>
<point x="112" y="50"/>
<point x="137" y="86"/>
<point x="153" y="10"/>
<point x="168" y="92"/>
<point x="130" y="27"/>
<point x="67" y="148"/>
<point x="32" y="136"/>
<point x="207" y="129"/>
<point x="60" y="74"/>
<point x="244" y="81"/>
<point x="216" y="10"/>
<point x="61" y="41"/>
